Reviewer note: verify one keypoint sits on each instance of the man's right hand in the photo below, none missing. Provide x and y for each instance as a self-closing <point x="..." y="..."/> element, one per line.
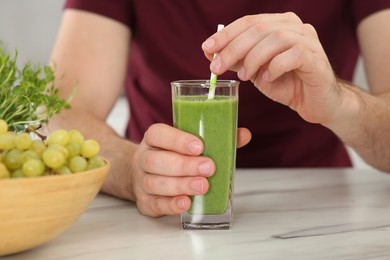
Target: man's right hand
<point x="167" y="168"/>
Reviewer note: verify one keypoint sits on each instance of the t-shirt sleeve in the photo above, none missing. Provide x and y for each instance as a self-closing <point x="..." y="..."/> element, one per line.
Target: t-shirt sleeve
<point x="120" y="10"/>
<point x="364" y="8"/>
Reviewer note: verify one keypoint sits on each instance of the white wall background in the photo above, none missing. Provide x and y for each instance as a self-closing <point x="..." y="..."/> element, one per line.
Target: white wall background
<point x="30" y="26"/>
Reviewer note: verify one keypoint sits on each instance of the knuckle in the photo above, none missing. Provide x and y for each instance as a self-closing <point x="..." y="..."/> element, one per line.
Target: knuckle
<point x="142" y="205"/>
<point x="149" y="160"/>
<point x="260" y="27"/>
<point x="191" y="165"/>
<point x="231" y="50"/>
<point x="151" y="133"/>
<point x="293" y="17"/>
<point x="150" y="205"/>
<point x="142" y="209"/>
<point x="181" y="139"/>
<point x="186" y="166"/>
<point x="249" y="20"/>
<point x="149" y="184"/>
<point x="308" y="28"/>
<point x="173" y="207"/>
<point x="281" y="35"/>
<point x="157" y="206"/>
<point x="179" y="165"/>
<point x="300" y="50"/>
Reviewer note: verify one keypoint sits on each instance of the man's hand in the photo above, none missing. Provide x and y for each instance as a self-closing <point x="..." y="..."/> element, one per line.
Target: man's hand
<point x="168" y="167"/>
<point x="284" y="59"/>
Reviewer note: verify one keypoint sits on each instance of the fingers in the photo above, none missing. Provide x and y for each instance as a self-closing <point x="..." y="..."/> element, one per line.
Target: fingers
<point x="173" y="164"/>
<point x="168" y="169"/>
<point x="174" y="186"/>
<point x="273" y="45"/>
<point x="219" y="40"/>
<point x="169" y="138"/>
<point x="157" y="206"/>
<point x="255" y="48"/>
<point x="253" y="41"/>
<point x="289" y="60"/>
<point x="243" y="137"/>
<point x="164" y="178"/>
<point x="216" y="42"/>
<point x="171" y="152"/>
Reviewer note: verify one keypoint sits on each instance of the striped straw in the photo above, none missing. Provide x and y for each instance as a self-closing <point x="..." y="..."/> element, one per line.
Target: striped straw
<point x="213" y="77"/>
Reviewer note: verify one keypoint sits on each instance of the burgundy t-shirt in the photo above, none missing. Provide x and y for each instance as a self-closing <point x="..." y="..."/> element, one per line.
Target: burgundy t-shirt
<point x="166" y="46"/>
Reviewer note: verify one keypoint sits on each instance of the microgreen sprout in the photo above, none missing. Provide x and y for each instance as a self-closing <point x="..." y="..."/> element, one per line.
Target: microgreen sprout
<point x="28" y="96"/>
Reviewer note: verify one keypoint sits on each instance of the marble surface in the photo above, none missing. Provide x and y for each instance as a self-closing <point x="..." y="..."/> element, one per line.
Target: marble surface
<point x="279" y="214"/>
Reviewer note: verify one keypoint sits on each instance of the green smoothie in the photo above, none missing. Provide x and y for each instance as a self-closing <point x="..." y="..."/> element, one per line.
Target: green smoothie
<point x="215" y="122"/>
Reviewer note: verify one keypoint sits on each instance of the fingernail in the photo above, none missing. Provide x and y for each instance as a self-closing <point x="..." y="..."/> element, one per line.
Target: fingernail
<point x="208" y="44"/>
<point x="241" y="73"/>
<point x="216" y="65"/>
<point x="195" y="147"/>
<point x="181" y="204"/>
<point x="205" y="168"/>
<point x="197" y="186"/>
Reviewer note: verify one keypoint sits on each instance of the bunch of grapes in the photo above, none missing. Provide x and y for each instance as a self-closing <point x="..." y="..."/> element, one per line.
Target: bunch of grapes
<point x="63" y="152"/>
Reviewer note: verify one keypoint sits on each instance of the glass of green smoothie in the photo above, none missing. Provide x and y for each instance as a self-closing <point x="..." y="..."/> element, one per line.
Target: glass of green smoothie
<point x="214" y="121"/>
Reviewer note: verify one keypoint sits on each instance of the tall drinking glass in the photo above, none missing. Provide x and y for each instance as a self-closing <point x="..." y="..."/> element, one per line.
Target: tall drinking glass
<point x="214" y="121"/>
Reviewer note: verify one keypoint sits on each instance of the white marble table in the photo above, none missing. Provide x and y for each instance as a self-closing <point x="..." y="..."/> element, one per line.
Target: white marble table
<point x="279" y="214"/>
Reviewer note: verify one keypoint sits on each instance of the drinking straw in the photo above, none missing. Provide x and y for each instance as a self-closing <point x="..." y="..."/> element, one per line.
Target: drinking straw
<point x="213" y="77"/>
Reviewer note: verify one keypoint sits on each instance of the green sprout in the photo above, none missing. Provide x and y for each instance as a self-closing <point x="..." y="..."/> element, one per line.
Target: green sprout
<point x="28" y="97"/>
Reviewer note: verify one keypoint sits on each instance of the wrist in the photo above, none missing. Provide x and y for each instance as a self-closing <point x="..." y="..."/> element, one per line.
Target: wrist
<point x="119" y="181"/>
<point x="346" y="121"/>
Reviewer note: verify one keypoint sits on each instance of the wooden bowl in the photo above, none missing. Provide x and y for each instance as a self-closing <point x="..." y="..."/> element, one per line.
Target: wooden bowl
<point x="35" y="210"/>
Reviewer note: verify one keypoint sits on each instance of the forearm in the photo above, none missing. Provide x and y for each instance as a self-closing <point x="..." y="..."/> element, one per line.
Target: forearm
<point x="114" y="148"/>
<point x="364" y="125"/>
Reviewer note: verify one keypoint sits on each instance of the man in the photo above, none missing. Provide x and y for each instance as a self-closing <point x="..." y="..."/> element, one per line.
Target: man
<point x="291" y="98"/>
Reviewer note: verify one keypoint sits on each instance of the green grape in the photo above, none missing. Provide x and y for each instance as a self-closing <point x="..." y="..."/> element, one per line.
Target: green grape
<point x="13" y="159"/>
<point x="3" y="126"/>
<point x="23" y="141"/>
<point x="90" y="148"/>
<point x="3" y="155"/>
<point x="7" y="141"/>
<point x="77" y="164"/>
<point x="63" y="153"/>
<point x="53" y="158"/>
<point x="74" y="148"/>
<point x="38" y="146"/>
<point x="60" y="148"/>
<point x="33" y="168"/>
<point x="60" y="137"/>
<point x="30" y="154"/>
<point x="4" y="173"/>
<point x="95" y="162"/>
<point x="77" y="136"/>
<point x="18" y="173"/>
<point x="63" y="170"/>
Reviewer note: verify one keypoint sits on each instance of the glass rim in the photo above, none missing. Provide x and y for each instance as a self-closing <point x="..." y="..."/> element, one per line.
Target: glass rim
<point x="205" y="83"/>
